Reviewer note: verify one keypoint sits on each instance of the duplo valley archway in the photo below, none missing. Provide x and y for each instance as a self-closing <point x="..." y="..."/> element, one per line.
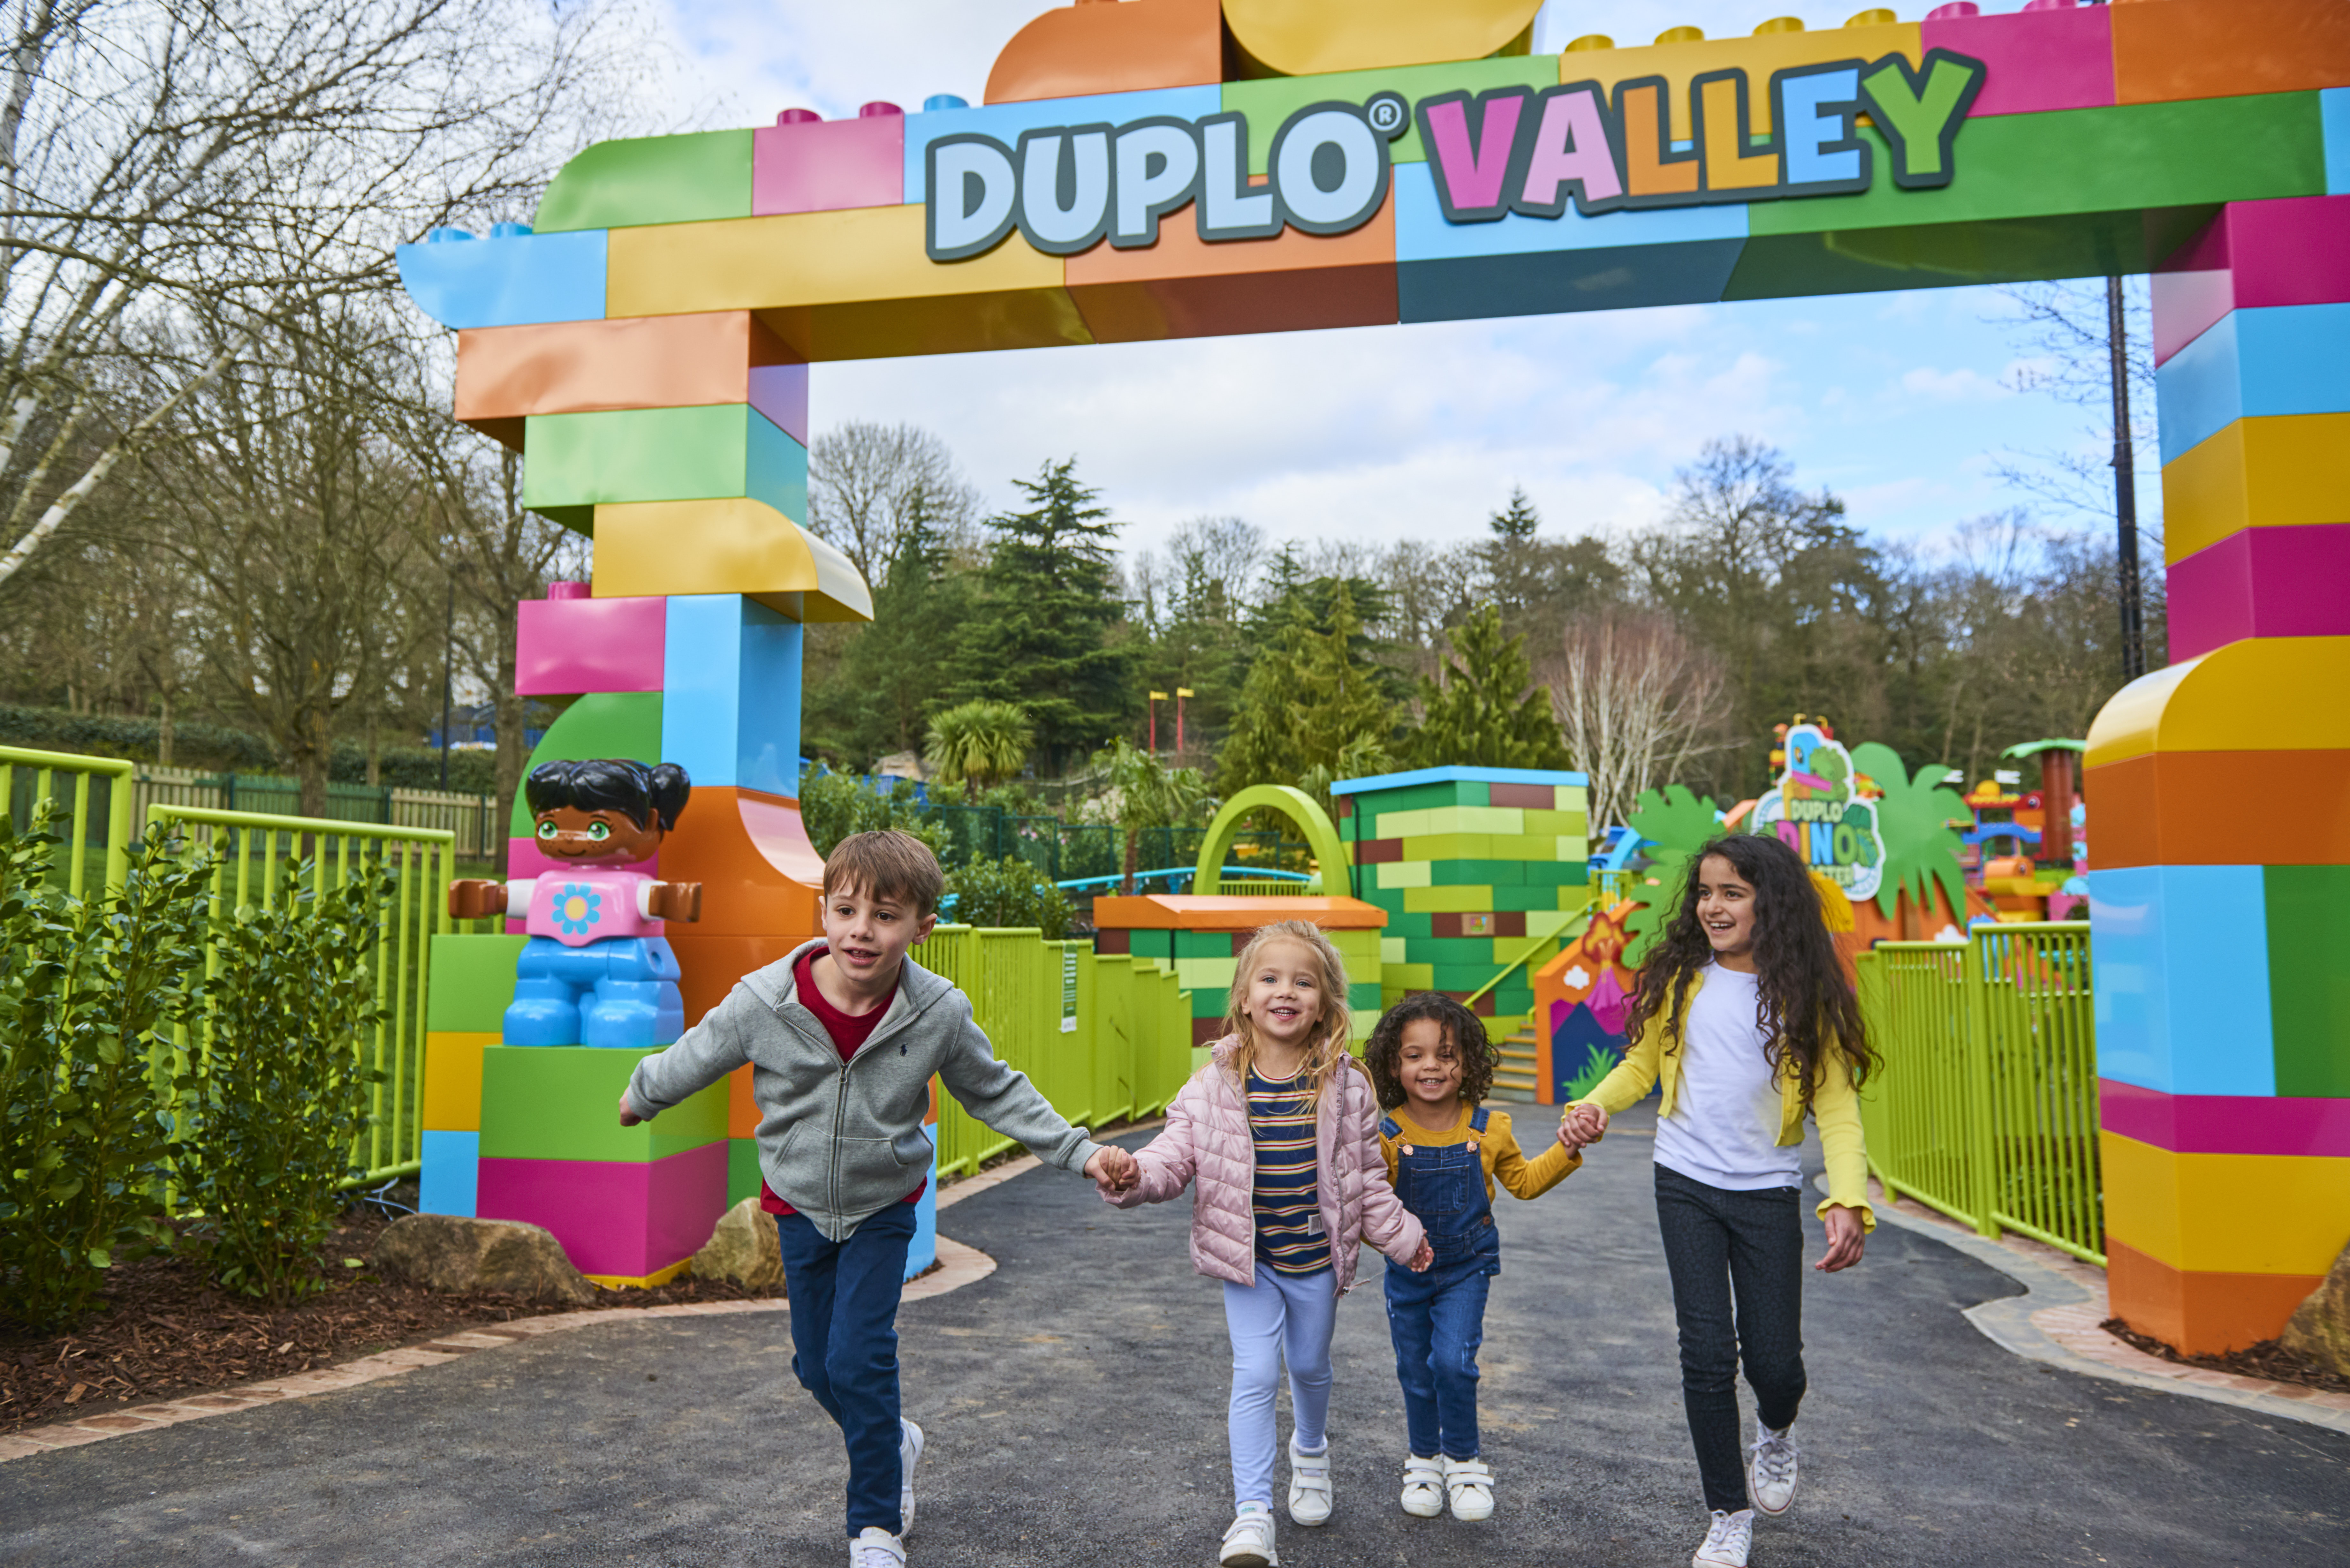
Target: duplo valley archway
<point x="1173" y="168"/>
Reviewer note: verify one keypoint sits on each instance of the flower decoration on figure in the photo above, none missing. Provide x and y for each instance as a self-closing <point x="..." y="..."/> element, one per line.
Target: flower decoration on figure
<point x="596" y="970"/>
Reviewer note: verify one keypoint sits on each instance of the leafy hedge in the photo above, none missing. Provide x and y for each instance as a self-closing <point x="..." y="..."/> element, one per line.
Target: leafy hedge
<point x="1006" y="892"/>
<point x="222" y="746"/>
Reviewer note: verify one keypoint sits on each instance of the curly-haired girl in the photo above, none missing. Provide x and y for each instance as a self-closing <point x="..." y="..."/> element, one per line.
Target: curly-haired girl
<point x="1281" y="1132"/>
<point x="1745" y="1010"/>
<point x="1432" y="1064"/>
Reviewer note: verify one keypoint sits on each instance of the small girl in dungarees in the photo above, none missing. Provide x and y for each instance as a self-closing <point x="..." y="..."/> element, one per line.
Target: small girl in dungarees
<point x="1433" y="1066"/>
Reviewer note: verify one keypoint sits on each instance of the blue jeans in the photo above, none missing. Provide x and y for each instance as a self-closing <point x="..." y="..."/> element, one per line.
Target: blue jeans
<point x="844" y="1322"/>
<point x="1282" y="1314"/>
<point x="619" y="993"/>
<point x="1437" y="1320"/>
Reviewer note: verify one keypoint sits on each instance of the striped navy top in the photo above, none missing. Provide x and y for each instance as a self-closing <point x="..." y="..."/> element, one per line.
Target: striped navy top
<point x="1289" y="1235"/>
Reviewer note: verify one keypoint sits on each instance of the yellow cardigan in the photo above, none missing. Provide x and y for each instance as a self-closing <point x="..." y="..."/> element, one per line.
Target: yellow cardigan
<point x="1498" y="1151"/>
<point x="1835" y="1106"/>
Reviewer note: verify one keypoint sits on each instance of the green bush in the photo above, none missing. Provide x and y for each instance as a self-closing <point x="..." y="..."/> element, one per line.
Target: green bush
<point x="833" y="804"/>
<point x="1006" y="892"/>
<point x="272" y="1107"/>
<point x="90" y="990"/>
<point x="135" y="739"/>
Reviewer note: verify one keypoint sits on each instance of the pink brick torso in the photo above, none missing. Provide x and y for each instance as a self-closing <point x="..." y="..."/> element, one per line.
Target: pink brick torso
<point x="583" y="905"/>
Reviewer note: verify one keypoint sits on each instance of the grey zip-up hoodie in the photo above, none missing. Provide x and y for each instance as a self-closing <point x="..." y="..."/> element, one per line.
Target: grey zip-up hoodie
<point x="840" y="1141"/>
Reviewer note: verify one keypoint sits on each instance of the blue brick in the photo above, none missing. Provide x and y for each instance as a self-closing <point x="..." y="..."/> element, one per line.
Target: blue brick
<point x="517" y="281"/>
<point x="2180" y="954"/>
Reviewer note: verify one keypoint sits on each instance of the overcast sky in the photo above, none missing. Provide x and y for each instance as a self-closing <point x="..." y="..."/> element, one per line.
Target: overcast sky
<point x="1896" y="402"/>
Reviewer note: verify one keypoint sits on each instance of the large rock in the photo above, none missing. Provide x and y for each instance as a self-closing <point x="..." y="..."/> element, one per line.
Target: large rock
<point x="462" y="1255"/>
<point x="744" y="1249"/>
<point x="2320" y="1327"/>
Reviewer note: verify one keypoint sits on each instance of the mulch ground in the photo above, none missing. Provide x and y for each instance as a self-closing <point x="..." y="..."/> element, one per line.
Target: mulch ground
<point x="2267" y="1359"/>
<point x="167" y="1332"/>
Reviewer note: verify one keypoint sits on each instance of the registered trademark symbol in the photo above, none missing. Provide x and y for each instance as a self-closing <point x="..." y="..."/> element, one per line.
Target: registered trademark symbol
<point x="1387" y="113"/>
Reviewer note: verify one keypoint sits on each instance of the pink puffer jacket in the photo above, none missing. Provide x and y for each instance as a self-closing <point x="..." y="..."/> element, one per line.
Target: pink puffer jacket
<point x="1207" y="1138"/>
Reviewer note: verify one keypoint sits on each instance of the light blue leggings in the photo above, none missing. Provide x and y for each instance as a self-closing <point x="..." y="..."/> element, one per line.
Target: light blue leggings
<point x="1282" y="1316"/>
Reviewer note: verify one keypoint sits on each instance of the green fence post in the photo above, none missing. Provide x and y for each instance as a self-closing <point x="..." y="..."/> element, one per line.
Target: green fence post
<point x="1980" y="1189"/>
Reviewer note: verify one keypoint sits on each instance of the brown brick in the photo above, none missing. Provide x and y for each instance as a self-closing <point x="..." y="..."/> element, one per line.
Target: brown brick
<point x="1444" y="925"/>
<point x="1378" y="851"/>
<point x="1534" y="797"/>
<point x="1113" y="944"/>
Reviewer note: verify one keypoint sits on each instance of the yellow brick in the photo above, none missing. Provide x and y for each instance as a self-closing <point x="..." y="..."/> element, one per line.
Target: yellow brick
<point x="452" y="1079"/>
<point x="1404" y="873"/>
<point x="1391" y="949"/>
<point x="1427" y="901"/>
<point x="1408" y="977"/>
<point x="1522" y="846"/>
<point x="1449" y="846"/>
<point x="2226" y="1213"/>
<point x="1405" y="825"/>
<point x="1571" y="899"/>
<point x="1205" y="974"/>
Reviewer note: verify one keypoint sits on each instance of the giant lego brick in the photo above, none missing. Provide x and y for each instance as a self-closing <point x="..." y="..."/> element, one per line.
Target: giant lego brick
<point x="620" y="1222"/>
<point x="2226" y="1123"/>
<point x="2039" y="61"/>
<point x="569" y="643"/>
<point x="651" y="180"/>
<point x="2253" y="364"/>
<point x="512" y="280"/>
<point x="1005" y="122"/>
<point x="601" y="724"/>
<point x="731" y="706"/>
<point x="473" y="981"/>
<point x="1185" y="288"/>
<point x="2261" y="582"/>
<point x="558" y="1102"/>
<point x="717" y="452"/>
<point x="729" y="545"/>
<point x="805" y="165"/>
<point x="2208" y="49"/>
<point x="2284" y="472"/>
<point x="2255" y="255"/>
<point x="506" y="374"/>
<point x="449" y="1171"/>
<point x="453" y="1075"/>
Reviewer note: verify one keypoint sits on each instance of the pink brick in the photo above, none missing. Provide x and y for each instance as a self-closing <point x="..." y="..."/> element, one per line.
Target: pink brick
<point x="2267" y="582"/>
<point x="824" y="166"/>
<point x="2039" y="61"/>
<point x="566" y="647"/>
<point x="613" y="1217"/>
<point x="2255" y="254"/>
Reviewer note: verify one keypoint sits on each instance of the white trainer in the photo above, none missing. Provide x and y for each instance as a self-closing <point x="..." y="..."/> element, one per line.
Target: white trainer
<point x="1727" y="1540"/>
<point x="1772" y="1471"/>
<point x="909" y="1454"/>
<point x="1309" y="1484"/>
<point x="1248" y="1544"/>
<point x="877" y="1548"/>
<point x="1423" y="1487"/>
<point x="1469" y="1486"/>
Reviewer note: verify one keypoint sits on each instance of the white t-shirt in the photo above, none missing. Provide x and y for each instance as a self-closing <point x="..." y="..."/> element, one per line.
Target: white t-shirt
<point x="1724" y="1129"/>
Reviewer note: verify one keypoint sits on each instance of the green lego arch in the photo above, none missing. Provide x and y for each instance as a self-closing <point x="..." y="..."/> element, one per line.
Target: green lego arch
<point x="1321" y="833"/>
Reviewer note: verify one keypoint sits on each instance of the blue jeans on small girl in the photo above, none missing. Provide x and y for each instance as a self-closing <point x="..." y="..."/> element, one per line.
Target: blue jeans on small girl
<point x="1438" y="1319"/>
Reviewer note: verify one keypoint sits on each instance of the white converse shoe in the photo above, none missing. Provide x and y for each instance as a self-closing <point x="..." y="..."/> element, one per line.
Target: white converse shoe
<point x="1772" y="1471"/>
<point x="1309" y="1484"/>
<point x="1248" y="1544"/>
<point x="1423" y="1487"/>
<point x="877" y="1548"/>
<point x="1727" y="1540"/>
<point x="909" y="1454"/>
<point x="1469" y="1486"/>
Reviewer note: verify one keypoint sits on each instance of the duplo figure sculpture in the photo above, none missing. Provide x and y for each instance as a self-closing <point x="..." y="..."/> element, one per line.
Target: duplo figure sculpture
<point x="592" y="972"/>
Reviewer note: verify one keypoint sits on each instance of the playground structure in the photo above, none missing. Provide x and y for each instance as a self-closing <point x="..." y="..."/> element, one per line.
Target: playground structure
<point x="646" y="344"/>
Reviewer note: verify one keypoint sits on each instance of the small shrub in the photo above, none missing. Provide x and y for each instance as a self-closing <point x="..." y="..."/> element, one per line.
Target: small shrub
<point x="1597" y="1066"/>
<point x="90" y="990"/>
<point x="833" y="805"/>
<point x="1006" y="892"/>
<point x="273" y="1106"/>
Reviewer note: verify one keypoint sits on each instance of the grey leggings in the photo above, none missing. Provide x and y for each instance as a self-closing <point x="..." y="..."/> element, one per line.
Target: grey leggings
<point x="1737" y="1264"/>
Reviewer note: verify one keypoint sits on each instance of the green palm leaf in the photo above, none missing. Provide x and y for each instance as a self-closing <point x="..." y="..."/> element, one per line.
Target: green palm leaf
<point x="1675" y="824"/>
<point x="1921" y="848"/>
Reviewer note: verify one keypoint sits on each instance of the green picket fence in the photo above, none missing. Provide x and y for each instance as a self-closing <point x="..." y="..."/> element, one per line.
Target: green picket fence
<point x="1986" y="1105"/>
<point x="1104" y="1038"/>
<point x="250" y="845"/>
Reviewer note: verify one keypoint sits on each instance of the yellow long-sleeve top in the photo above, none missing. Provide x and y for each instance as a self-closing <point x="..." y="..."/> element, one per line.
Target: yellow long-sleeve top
<point x="1497" y="1148"/>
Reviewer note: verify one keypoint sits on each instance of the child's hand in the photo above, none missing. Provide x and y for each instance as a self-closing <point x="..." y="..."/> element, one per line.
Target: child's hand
<point x="1423" y="1258"/>
<point x="1582" y="1126"/>
<point x="1114" y="1171"/>
<point x="1846" y="1238"/>
<point x="628" y="1116"/>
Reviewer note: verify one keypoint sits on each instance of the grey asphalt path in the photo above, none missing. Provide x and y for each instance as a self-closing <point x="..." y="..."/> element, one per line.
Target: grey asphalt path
<point x="1075" y="1402"/>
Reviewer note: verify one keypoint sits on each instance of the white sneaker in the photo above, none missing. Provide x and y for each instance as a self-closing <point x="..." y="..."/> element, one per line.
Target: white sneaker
<point x="1309" y="1484"/>
<point x="1469" y="1485"/>
<point x="1248" y="1544"/>
<point x="1772" y="1471"/>
<point x="909" y="1454"/>
<point x="877" y="1548"/>
<point x="1423" y="1487"/>
<point x="1727" y="1540"/>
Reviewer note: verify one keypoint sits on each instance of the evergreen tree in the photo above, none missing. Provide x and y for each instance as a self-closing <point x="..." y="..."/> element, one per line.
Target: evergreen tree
<point x="880" y="696"/>
<point x="1486" y="713"/>
<point x="1048" y="597"/>
<point x="1517" y="520"/>
<point x="1310" y="696"/>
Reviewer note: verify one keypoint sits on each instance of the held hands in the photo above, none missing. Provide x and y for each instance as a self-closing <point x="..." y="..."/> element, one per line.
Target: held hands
<point x="1847" y="1237"/>
<point x="628" y="1116"/>
<point x="1114" y="1171"/>
<point x="1583" y="1127"/>
<point x="1423" y="1258"/>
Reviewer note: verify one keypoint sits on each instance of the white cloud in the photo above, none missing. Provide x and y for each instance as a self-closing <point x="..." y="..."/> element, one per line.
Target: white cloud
<point x="1951" y="386"/>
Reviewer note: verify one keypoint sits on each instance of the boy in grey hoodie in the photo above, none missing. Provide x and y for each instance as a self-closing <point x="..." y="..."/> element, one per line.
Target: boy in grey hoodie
<point x="843" y="1037"/>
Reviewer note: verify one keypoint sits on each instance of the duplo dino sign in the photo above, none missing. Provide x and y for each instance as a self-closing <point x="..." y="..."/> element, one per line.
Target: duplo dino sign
<point x="1512" y="150"/>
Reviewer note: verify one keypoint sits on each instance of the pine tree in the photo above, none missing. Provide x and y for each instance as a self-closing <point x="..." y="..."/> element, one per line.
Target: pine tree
<point x="1518" y="521"/>
<point x="1310" y="696"/>
<point x="1039" y="638"/>
<point x="1486" y="713"/>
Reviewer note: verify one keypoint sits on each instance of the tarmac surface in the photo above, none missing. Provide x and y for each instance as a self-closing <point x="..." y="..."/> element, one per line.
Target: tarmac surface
<point x="1074" y="1407"/>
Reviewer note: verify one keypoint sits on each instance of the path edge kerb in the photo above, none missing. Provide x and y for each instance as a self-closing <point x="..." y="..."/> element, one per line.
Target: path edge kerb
<point x="2055" y="1322"/>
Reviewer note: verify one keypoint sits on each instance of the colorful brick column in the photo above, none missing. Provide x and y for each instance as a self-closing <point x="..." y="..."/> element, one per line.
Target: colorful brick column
<point x="2220" y="900"/>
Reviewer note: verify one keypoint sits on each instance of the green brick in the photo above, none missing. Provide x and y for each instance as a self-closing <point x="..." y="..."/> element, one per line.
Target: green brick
<point x="1402" y="874"/>
<point x="699" y="453"/>
<point x="1463" y="976"/>
<point x="561" y="1102"/>
<point x="1210" y="1002"/>
<point x="473" y="982"/>
<point x="1363" y="993"/>
<point x="2309" y="985"/>
<point x="1443" y="846"/>
<point x="1409" y="977"/>
<point x="651" y="180"/>
<point x="1212" y="975"/>
<point x="743" y="1175"/>
<point x="1203" y="944"/>
<point x="601" y="724"/>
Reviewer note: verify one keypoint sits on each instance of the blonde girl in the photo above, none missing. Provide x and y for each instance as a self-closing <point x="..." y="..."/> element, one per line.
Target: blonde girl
<point x="1280" y="1130"/>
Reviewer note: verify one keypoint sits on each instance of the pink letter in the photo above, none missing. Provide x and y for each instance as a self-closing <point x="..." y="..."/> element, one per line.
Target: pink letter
<point x="1570" y="144"/>
<point x="1471" y="177"/>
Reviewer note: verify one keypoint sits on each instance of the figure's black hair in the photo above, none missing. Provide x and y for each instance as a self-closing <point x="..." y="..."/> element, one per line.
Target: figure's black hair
<point x="610" y="783"/>
<point x="1463" y="1030"/>
<point x="1804" y="1000"/>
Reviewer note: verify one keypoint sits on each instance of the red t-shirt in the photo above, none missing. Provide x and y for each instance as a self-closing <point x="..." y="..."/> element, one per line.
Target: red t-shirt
<point x="849" y="1032"/>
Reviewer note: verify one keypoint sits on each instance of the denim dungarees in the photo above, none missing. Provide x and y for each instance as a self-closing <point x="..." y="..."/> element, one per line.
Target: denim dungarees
<point x="1438" y="1319"/>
